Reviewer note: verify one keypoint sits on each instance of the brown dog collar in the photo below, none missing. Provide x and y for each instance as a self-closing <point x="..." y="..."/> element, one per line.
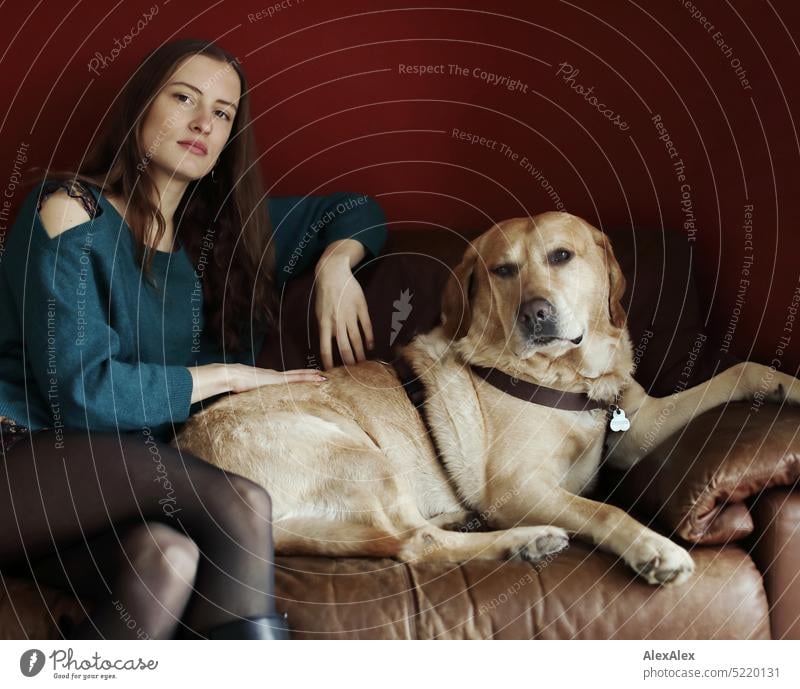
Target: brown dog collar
<point x="410" y="381"/>
<point x="516" y="387"/>
<point x="537" y="394"/>
<point x="521" y="389"/>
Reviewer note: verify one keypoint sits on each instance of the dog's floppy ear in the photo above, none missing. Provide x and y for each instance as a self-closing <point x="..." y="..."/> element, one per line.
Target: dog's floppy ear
<point x="457" y="297"/>
<point x="616" y="280"/>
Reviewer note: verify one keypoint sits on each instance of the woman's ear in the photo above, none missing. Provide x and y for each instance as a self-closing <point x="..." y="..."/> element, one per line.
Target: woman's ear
<point x="457" y="297"/>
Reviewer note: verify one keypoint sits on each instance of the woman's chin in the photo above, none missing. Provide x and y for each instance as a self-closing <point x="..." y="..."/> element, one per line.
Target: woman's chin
<point x="184" y="171"/>
<point x="188" y="173"/>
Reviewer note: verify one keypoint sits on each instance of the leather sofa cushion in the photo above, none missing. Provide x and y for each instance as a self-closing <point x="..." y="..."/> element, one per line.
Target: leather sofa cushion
<point x="696" y="483"/>
<point x="583" y="593"/>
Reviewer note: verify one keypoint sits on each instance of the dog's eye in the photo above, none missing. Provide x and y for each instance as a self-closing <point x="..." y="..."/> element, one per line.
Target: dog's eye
<point x="559" y="256"/>
<point x="506" y="270"/>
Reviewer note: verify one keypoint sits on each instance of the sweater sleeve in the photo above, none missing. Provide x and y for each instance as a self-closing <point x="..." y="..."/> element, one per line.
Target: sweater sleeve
<point x="74" y="350"/>
<point x="303" y="226"/>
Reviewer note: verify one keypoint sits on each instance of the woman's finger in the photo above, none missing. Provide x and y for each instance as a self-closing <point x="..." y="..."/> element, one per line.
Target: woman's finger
<point x="325" y="345"/>
<point x="301" y="371"/>
<point x="246" y="378"/>
<point x="355" y="338"/>
<point x="307" y="377"/>
<point x="343" y="342"/>
<point x="366" y="323"/>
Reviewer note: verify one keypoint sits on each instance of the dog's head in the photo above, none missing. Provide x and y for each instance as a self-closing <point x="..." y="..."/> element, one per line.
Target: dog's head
<point x="540" y="285"/>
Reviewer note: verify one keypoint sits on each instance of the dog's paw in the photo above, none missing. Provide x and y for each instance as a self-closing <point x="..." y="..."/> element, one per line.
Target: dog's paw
<point x="541" y="541"/>
<point x="660" y="561"/>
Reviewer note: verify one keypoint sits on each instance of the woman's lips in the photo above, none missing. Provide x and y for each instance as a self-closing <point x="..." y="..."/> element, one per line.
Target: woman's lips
<point x="194" y="147"/>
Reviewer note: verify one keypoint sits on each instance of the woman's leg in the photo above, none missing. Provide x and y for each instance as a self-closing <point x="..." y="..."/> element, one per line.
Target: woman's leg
<point x="140" y="579"/>
<point x="57" y="494"/>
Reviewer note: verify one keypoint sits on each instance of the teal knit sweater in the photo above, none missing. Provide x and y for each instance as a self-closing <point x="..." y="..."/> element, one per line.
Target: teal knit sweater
<point x="87" y="343"/>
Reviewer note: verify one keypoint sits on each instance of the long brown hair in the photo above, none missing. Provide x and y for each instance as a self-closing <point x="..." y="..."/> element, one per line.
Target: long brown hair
<point x="222" y="222"/>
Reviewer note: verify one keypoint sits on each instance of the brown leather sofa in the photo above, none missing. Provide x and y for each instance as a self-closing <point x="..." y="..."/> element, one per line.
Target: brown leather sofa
<point x="723" y="486"/>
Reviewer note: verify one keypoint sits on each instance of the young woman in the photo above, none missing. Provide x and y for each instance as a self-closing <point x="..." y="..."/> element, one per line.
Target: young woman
<point x="130" y="292"/>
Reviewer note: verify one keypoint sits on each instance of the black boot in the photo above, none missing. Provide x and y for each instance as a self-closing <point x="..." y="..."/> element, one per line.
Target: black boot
<point x="270" y="627"/>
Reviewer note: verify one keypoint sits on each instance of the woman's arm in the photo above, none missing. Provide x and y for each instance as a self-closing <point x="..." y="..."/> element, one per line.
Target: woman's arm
<point x="336" y="232"/>
<point x="342" y="254"/>
<point x="305" y="226"/>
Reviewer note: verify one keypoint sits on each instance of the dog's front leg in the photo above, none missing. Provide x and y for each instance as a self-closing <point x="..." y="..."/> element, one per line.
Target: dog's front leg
<point x="654" y="557"/>
<point x="654" y="419"/>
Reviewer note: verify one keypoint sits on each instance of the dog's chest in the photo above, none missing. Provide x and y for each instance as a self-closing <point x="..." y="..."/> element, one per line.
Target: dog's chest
<point x="568" y="444"/>
<point x="561" y="447"/>
<point x="588" y="434"/>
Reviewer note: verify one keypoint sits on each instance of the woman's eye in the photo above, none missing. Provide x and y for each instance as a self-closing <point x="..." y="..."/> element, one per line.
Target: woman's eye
<point x="223" y="114"/>
<point x="506" y="270"/>
<point x="183" y="98"/>
<point x="559" y="256"/>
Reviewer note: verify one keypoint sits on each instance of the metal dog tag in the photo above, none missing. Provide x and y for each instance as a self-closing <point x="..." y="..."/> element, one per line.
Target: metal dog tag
<point x="619" y="422"/>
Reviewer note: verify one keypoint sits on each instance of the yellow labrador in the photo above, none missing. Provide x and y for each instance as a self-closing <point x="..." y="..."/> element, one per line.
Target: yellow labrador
<point x="353" y="469"/>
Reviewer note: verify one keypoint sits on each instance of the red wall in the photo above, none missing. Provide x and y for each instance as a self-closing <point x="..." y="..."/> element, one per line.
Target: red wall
<point x="335" y="113"/>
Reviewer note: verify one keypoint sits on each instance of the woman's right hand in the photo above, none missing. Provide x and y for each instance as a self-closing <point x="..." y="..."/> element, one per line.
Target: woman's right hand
<point x="214" y="379"/>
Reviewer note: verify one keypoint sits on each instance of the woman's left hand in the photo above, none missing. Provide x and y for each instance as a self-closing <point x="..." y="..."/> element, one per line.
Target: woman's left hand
<point x="340" y="304"/>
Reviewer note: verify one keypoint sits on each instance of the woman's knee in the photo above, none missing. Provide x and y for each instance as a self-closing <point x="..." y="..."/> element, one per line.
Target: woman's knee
<point x="250" y="502"/>
<point x="159" y="551"/>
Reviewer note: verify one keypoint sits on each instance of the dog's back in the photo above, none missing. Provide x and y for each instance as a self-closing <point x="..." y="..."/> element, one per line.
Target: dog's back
<point x="326" y="451"/>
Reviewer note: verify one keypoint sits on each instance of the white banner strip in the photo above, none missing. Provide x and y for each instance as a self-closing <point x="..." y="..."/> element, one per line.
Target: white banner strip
<point x="400" y="664"/>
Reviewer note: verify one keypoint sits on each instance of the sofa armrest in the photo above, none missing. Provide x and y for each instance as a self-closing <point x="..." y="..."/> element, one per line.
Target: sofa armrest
<point x="775" y="548"/>
<point x="698" y="483"/>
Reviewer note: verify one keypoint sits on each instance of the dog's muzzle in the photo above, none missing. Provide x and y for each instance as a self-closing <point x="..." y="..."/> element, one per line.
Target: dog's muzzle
<point x="538" y="320"/>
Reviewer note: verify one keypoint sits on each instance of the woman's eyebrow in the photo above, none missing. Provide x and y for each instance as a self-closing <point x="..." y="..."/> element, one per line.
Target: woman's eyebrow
<point x="194" y="88"/>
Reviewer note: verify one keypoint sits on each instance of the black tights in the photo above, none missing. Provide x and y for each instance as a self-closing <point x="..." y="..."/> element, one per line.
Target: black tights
<point x="165" y="543"/>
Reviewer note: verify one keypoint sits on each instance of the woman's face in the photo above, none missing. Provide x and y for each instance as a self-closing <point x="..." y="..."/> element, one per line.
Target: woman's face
<point x="190" y="119"/>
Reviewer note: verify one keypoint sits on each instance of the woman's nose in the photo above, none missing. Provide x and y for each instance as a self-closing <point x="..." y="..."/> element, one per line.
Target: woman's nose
<point x="202" y="124"/>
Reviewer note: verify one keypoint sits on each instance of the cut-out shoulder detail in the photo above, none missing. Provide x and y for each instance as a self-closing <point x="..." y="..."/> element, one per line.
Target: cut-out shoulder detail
<point x="77" y="190"/>
<point x="64" y="205"/>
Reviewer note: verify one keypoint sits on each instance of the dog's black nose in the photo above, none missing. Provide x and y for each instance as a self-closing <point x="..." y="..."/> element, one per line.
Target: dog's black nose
<point x="538" y="317"/>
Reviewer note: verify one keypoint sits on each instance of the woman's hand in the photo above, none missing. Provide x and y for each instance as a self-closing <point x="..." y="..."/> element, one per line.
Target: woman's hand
<point x="214" y="379"/>
<point x="242" y="378"/>
<point x="340" y="304"/>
